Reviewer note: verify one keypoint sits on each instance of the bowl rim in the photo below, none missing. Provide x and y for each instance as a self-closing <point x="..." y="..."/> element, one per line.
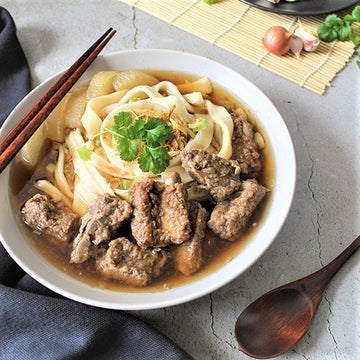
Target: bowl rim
<point x="49" y="276"/>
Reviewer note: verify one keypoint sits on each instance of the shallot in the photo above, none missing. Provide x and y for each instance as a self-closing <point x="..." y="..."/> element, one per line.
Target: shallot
<point x="277" y="40"/>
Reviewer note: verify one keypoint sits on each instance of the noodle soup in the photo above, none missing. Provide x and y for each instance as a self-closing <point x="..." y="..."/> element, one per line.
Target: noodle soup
<point x="90" y="146"/>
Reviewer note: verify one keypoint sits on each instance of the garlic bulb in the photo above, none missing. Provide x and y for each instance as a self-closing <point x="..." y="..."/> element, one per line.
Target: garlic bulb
<point x="311" y="41"/>
<point x="296" y="45"/>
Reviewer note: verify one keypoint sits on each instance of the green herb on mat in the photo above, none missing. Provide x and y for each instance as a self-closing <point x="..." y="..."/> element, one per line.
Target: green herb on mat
<point x="335" y="28"/>
<point x="210" y="2"/>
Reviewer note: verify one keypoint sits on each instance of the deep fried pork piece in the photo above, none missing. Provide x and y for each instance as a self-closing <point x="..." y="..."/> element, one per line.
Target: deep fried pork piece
<point x="175" y="225"/>
<point x="99" y="224"/>
<point x="244" y="147"/>
<point x="145" y="222"/>
<point x="130" y="264"/>
<point x="219" y="176"/>
<point x="160" y="213"/>
<point x="229" y="218"/>
<point x="188" y="256"/>
<point x="45" y="216"/>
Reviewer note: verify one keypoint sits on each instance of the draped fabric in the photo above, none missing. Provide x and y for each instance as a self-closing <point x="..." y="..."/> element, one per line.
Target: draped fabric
<point x="14" y="70"/>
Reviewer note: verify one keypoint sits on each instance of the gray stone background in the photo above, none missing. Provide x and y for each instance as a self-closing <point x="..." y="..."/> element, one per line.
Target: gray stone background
<point x="324" y="216"/>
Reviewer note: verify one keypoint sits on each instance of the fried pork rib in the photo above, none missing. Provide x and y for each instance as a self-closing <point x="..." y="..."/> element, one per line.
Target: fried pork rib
<point x="219" y="176"/>
<point x="161" y="215"/>
<point x="45" y="216"/>
<point x="230" y="218"/>
<point x="99" y="225"/>
<point x="187" y="257"/>
<point x="130" y="264"/>
<point x="245" y="149"/>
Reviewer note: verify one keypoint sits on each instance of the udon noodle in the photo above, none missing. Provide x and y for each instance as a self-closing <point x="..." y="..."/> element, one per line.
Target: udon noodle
<point x="105" y="170"/>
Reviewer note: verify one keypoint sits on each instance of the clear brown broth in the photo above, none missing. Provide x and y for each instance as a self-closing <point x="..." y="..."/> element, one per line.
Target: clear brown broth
<point x="217" y="253"/>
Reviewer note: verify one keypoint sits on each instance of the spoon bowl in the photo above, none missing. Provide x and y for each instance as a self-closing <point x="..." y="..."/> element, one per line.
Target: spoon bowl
<point x="287" y="312"/>
<point x="274" y="323"/>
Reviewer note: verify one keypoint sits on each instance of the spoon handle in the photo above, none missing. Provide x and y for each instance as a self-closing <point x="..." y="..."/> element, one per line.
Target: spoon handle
<point x="317" y="282"/>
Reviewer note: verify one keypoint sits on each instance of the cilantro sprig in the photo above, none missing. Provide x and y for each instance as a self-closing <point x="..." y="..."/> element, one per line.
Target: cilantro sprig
<point x="142" y="140"/>
<point x="336" y="28"/>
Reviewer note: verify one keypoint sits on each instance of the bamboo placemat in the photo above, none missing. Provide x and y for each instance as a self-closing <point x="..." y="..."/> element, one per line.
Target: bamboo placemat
<point x="239" y="28"/>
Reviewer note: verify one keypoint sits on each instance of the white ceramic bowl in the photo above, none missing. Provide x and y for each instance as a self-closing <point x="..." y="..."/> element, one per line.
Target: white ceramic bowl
<point x="41" y="270"/>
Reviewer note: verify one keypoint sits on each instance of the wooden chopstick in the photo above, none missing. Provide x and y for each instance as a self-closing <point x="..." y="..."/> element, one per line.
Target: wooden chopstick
<point x="25" y="120"/>
<point x="29" y="123"/>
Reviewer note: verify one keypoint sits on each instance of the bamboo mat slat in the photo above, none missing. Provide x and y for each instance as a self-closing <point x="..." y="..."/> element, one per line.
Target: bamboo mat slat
<point x="239" y="28"/>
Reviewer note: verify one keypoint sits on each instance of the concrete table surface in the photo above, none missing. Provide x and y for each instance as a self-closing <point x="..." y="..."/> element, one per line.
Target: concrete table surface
<point x="324" y="216"/>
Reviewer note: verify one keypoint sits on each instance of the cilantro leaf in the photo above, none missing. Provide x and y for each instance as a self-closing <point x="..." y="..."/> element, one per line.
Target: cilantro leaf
<point x="154" y="160"/>
<point x="153" y="122"/>
<point x="116" y="131"/>
<point x="333" y="21"/>
<point x="136" y="130"/>
<point x="158" y="132"/>
<point x="349" y="18"/>
<point x="123" y="119"/>
<point x="128" y="150"/>
<point x="344" y="32"/>
<point x="356" y="13"/>
<point x="326" y="33"/>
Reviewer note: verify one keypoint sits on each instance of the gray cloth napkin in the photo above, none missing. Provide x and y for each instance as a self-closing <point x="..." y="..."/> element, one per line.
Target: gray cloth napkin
<point x="36" y="323"/>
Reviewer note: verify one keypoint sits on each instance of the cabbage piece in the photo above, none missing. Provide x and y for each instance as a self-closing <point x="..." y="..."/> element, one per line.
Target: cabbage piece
<point x="202" y="85"/>
<point x="102" y="83"/>
<point x="75" y="108"/>
<point x="90" y="183"/>
<point x="31" y="152"/>
<point x="128" y="79"/>
<point x="55" y="124"/>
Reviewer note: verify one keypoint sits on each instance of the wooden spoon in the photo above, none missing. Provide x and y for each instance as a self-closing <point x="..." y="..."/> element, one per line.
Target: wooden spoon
<point x="275" y="322"/>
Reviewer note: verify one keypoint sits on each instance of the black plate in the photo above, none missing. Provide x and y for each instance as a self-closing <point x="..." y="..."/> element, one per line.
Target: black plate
<point x="302" y="7"/>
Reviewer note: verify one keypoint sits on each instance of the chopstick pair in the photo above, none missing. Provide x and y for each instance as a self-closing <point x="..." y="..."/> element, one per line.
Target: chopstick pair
<point x="29" y="123"/>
